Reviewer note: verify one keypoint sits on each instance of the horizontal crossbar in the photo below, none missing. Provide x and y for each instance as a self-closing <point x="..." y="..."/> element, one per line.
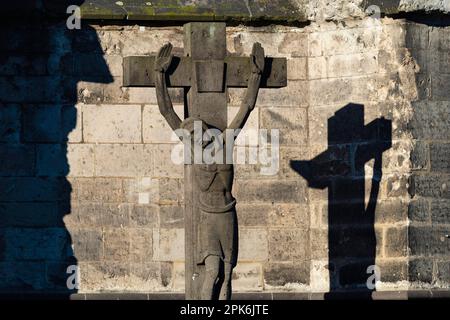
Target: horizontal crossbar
<point x="138" y="72"/>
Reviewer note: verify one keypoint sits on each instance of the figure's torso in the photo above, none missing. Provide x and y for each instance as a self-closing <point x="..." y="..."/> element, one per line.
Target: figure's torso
<point x="215" y="183"/>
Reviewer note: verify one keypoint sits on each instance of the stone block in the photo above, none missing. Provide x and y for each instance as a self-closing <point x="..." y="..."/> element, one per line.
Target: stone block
<point x="123" y="160"/>
<point x="440" y="211"/>
<point x="36" y="244"/>
<point x="395" y="244"/>
<point x="29" y="214"/>
<point x="119" y="124"/>
<point x="17" y="160"/>
<point x="33" y="189"/>
<point x="171" y="216"/>
<point x="297" y="69"/>
<point x="436" y="186"/>
<point x="419" y="210"/>
<point x="428" y="241"/>
<point x="155" y="127"/>
<point x="352" y="64"/>
<point x="253" y="191"/>
<point x="116" y="244"/>
<point x="439" y="157"/>
<point x="291" y="124"/>
<point x="164" y="165"/>
<point x="420" y="270"/>
<point x="63" y="160"/>
<point x="295" y="44"/>
<point x="144" y="215"/>
<point x="420" y="155"/>
<point x="88" y="244"/>
<point x="10" y="125"/>
<point x="317" y="68"/>
<point x="168" y="244"/>
<point x="247" y="277"/>
<point x="287" y="244"/>
<point x="285" y="274"/>
<point x="98" y="190"/>
<point x="252" y="244"/>
<point x="141" y="244"/>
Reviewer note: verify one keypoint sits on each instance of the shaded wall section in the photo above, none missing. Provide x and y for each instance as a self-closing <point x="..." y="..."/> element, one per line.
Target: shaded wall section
<point x="39" y="121"/>
<point x="429" y="211"/>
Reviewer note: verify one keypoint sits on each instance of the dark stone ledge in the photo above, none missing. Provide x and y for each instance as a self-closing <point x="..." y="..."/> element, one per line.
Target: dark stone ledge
<point x="300" y="11"/>
<point x="347" y="295"/>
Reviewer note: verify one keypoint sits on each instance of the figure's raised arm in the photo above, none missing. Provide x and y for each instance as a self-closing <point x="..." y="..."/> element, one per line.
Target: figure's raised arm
<point x="247" y="105"/>
<point x="162" y="63"/>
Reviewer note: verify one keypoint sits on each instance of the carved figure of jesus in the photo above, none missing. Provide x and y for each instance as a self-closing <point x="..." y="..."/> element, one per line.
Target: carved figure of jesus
<point x="218" y="229"/>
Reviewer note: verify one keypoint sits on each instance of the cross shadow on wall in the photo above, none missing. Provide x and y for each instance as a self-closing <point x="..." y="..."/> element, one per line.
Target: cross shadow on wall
<point x="41" y="62"/>
<point x="340" y="169"/>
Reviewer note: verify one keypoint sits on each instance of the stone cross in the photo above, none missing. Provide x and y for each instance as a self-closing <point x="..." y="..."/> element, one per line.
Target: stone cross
<point x="205" y="72"/>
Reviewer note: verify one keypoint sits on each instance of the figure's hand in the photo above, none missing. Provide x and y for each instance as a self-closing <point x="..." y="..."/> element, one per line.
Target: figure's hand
<point x="257" y="58"/>
<point x="164" y="58"/>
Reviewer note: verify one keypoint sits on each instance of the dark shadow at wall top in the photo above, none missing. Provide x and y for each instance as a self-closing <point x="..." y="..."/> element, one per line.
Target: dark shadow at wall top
<point x="40" y="66"/>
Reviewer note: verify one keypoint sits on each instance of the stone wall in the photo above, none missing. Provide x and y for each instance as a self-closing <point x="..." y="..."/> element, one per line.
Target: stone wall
<point x="87" y="178"/>
<point x="429" y="211"/>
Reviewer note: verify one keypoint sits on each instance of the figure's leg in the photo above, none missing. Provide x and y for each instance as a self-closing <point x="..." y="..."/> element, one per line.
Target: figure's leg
<point x="212" y="267"/>
<point x="225" y="291"/>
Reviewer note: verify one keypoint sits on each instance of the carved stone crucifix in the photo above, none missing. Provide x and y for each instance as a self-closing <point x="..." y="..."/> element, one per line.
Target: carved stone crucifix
<point x="206" y="72"/>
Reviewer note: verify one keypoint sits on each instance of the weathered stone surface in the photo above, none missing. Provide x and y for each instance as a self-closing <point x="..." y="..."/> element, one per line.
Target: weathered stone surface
<point x="287" y="244"/>
<point x="141" y="246"/>
<point x="396" y="242"/>
<point x="443" y="272"/>
<point x="252" y="244"/>
<point x="168" y="244"/>
<point x="419" y="210"/>
<point x="22" y="275"/>
<point x="436" y="186"/>
<point x="98" y="190"/>
<point x="10" y="123"/>
<point x="30" y="214"/>
<point x="431" y="120"/>
<point x="55" y="160"/>
<point x="88" y="244"/>
<point x="94" y="215"/>
<point x="117" y="244"/>
<point x="32" y="189"/>
<point x="428" y="241"/>
<point x="420" y="270"/>
<point x="36" y="244"/>
<point x="440" y="211"/>
<point x="171" y="216"/>
<point x="17" y="160"/>
<point x="164" y="166"/>
<point x="42" y="124"/>
<point x="282" y="274"/>
<point x="270" y="191"/>
<point x="393" y="271"/>
<point x="420" y="155"/>
<point x="297" y="69"/>
<point x="291" y="124"/>
<point x="391" y="211"/>
<point x="248" y="277"/>
<point x="144" y="216"/>
<point x="123" y="160"/>
<point x="439" y="157"/>
<point x="155" y="127"/>
<point x="120" y="124"/>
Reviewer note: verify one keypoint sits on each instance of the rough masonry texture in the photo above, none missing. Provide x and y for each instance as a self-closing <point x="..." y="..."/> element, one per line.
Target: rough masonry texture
<point x="87" y="180"/>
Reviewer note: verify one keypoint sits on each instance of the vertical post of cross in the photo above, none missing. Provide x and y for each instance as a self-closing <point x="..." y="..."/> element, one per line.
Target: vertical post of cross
<point x="205" y="44"/>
